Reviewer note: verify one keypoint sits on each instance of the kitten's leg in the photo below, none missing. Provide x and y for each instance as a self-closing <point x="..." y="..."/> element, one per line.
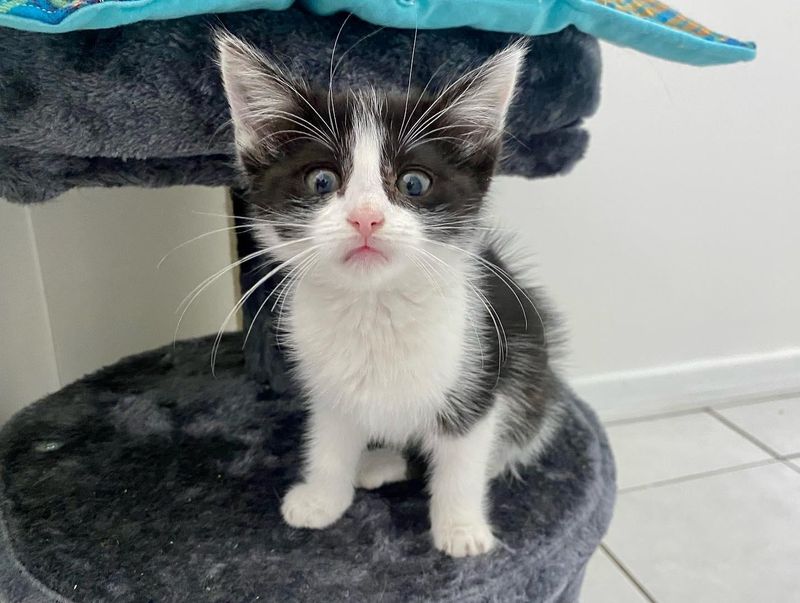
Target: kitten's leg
<point x="459" y="484"/>
<point x="380" y="466"/>
<point x="333" y="449"/>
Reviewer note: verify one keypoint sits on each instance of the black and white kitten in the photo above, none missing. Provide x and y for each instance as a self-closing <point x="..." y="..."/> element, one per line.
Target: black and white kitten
<point x="405" y="323"/>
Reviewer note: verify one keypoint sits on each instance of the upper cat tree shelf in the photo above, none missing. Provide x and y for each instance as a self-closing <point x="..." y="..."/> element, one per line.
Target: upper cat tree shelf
<point x="645" y="25"/>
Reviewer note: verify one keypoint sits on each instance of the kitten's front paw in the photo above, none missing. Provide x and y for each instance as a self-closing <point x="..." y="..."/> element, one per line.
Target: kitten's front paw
<point x="315" y="506"/>
<point x="380" y="466"/>
<point x="463" y="539"/>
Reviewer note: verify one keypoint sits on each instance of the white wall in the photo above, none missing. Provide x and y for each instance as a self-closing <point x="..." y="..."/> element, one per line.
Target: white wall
<point x="675" y="242"/>
<point x="27" y="358"/>
<point x="80" y="285"/>
<point x="672" y="250"/>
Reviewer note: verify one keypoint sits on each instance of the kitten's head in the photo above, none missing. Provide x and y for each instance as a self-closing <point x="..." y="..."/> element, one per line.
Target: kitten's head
<point x="368" y="184"/>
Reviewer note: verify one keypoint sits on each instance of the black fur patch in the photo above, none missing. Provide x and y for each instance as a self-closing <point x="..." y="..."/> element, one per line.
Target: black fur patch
<point x="276" y="173"/>
<point x="516" y="362"/>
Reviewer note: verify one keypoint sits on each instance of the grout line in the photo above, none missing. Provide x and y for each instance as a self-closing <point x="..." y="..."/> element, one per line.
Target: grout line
<point x="628" y="574"/>
<point x="679" y="412"/>
<point x="696" y="476"/>
<point x="654" y="417"/>
<point x="753" y="400"/>
<point x="751" y="438"/>
<point x="793" y="456"/>
<point x="748" y="436"/>
<point x="791" y="465"/>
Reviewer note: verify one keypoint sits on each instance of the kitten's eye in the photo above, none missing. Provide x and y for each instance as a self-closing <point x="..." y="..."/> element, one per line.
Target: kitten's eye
<point x="414" y="183"/>
<point x="321" y="181"/>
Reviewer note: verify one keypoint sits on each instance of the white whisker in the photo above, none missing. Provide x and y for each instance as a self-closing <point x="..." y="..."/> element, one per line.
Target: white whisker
<point x="271" y="113"/>
<point x="266" y="299"/>
<point x="493" y="315"/>
<point x="295" y="283"/>
<point x="470" y="314"/>
<point x="410" y="72"/>
<point x="193" y="295"/>
<point x="331" y="112"/>
<point x="413" y="131"/>
<point x="507" y="280"/>
<point x="198" y="237"/>
<point x="356" y="43"/>
<point x="246" y="296"/>
<point x="237" y="217"/>
<point x="421" y="96"/>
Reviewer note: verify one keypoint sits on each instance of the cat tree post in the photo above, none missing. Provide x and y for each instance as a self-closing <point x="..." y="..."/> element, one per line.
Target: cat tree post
<point x="153" y="479"/>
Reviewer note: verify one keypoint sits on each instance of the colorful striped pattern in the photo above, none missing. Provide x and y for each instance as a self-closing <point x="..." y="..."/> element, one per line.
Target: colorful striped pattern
<point x="49" y="11"/>
<point x="652" y="10"/>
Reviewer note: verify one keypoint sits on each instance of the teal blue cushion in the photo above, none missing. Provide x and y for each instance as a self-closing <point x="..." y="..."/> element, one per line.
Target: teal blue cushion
<point x="58" y="16"/>
<point x="646" y="25"/>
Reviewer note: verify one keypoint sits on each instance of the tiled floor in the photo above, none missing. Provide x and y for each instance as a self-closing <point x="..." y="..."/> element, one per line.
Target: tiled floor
<point x="708" y="508"/>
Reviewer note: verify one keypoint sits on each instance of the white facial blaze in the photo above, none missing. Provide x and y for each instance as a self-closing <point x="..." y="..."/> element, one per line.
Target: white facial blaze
<point x="365" y="184"/>
<point x="401" y="231"/>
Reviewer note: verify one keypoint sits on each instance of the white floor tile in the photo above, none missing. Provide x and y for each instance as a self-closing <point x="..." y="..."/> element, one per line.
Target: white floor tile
<point x="605" y="583"/>
<point x="775" y="423"/>
<point x="661" y="449"/>
<point x="728" y="538"/>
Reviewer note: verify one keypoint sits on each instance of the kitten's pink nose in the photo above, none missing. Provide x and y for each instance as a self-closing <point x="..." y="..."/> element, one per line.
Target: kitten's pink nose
<point x="366" y="220"/>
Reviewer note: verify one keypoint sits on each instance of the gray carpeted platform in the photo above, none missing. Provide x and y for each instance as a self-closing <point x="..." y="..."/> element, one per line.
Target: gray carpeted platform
<point x="153" y="481"/>
<point x="143" y="104"/>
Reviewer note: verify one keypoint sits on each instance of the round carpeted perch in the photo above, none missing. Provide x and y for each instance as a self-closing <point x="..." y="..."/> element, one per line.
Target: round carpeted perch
<point x="151" y="480"/>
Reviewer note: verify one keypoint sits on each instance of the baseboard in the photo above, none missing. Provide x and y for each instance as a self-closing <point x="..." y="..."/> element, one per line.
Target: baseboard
<point x="630" y="394"/>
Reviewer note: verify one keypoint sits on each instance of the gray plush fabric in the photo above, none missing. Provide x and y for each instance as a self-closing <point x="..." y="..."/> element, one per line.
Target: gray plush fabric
<point x="143" y="104"/>
<point x="152" y="481"/>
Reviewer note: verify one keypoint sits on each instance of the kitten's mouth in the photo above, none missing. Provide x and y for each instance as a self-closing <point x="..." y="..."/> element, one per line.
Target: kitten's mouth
<point x="364" y="253"/>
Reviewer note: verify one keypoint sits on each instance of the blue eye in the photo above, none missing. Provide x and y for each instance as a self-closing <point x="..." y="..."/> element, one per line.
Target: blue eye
<point x="414" y="183"/>
<point x="322" y="182"/>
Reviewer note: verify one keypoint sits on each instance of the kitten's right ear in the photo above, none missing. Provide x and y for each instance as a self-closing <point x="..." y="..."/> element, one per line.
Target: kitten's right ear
<point x="258" y="93"/>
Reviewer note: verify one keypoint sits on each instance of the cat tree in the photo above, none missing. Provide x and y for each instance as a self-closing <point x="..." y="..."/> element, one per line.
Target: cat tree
<point x="152" y="480"/>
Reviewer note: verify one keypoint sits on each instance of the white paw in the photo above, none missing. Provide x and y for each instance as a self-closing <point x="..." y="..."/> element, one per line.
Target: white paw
<point x="315" y="506"/>
<point x="380" y="466"/>
<point x="463" y="539"/>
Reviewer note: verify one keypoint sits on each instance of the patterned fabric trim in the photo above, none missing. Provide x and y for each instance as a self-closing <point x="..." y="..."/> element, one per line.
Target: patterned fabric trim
<point x="652" y="10"/>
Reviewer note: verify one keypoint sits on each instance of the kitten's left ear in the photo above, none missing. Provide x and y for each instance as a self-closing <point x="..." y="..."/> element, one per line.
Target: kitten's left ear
<point x="482" y="97"/>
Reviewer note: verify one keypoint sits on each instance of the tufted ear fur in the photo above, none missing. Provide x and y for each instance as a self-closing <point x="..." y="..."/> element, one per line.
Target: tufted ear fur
<point x="259" y="93"/>
<point x="480" y="99"/>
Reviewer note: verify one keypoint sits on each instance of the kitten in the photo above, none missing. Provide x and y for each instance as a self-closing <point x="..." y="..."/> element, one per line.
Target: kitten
<point x="402" y="317"/>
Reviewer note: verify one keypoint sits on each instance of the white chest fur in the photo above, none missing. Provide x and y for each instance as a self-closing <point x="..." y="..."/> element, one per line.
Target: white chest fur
<point x="387" y="358"/>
